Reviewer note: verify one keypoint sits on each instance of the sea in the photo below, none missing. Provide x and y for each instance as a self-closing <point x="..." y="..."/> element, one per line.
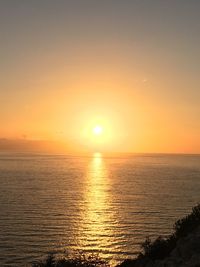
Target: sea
<point x="105" y="205"/>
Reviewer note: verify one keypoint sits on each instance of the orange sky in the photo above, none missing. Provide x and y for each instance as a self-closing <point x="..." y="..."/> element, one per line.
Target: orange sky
<point x="133" y="68"/>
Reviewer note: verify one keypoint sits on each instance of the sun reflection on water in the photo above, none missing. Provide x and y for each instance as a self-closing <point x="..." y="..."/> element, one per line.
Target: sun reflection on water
<point x="96" y="231"/>
<point x="97" y="193"/>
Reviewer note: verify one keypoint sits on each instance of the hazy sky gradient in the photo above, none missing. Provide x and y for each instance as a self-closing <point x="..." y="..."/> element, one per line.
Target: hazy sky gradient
<point x="133" y="63"/>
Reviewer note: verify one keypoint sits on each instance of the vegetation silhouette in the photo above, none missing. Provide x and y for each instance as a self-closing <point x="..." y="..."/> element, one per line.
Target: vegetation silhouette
<point x="158" y="249"/>
<point x="79" y="260"/>
<point x="161" y="248"/>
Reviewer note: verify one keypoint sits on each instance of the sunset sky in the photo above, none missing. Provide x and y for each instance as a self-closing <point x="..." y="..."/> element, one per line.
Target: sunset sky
<point x="111" y="75"/>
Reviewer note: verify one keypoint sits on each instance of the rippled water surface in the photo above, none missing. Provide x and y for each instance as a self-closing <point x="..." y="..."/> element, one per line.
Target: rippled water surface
<point x="106" y="205"/>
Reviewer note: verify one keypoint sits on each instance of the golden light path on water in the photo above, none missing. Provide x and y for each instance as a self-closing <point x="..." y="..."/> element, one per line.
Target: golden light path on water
<point x="96" y="230"/>
<point x="105" y="205"/>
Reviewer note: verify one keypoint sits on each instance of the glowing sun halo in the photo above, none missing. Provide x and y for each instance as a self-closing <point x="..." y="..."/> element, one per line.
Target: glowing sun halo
<point x="97" y="130"/>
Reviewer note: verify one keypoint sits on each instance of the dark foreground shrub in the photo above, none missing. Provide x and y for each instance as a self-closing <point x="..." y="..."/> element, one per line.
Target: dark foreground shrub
<point x="188" y="224"/>
<point x="159" y="248"/>
<point x="162" y="247"/>
<point x="79" y="260"/>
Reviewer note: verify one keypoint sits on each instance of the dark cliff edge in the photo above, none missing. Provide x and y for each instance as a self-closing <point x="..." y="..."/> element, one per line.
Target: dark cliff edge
<point x="181" y="248"/>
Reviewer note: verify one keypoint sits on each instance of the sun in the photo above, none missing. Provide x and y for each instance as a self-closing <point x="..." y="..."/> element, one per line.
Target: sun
<point x="97" y="134"/>
<point x="97" y="130"/>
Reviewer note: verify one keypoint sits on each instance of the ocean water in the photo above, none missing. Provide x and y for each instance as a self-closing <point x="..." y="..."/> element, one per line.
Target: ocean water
<point x="94" y="204"/>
